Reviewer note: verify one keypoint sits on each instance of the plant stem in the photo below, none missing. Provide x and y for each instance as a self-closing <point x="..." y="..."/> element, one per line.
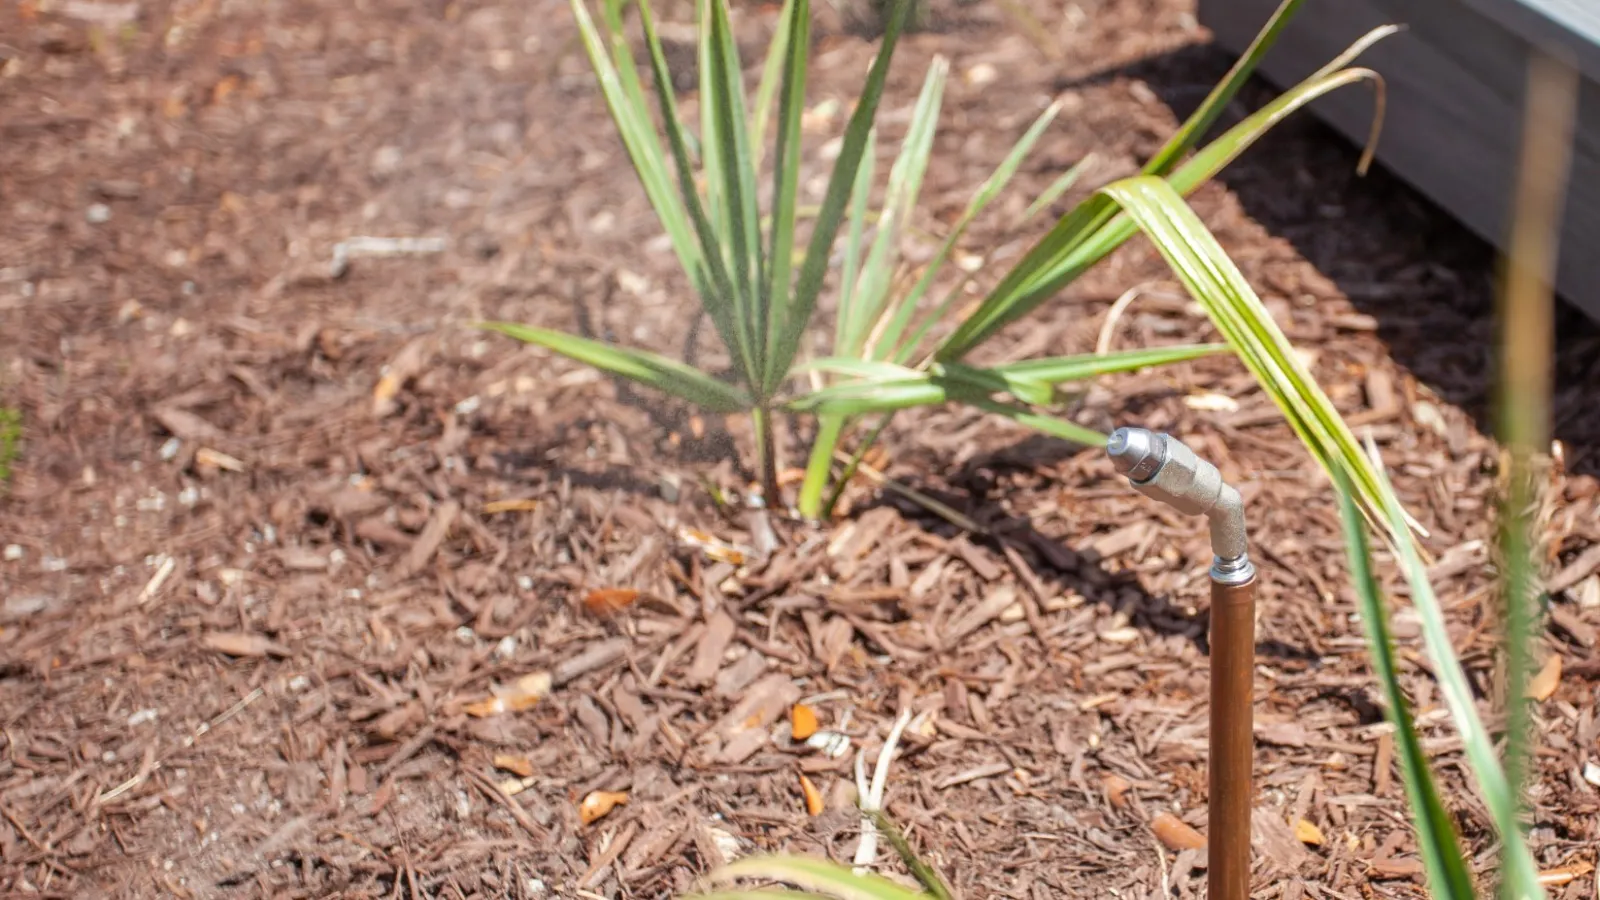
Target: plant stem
<point x="854" y="464"/>
<point x="818" y="466"/>
<point x="767" y="457"/>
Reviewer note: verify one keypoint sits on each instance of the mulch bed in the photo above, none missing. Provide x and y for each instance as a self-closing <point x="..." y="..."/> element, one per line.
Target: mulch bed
<point x="274" y="530"/>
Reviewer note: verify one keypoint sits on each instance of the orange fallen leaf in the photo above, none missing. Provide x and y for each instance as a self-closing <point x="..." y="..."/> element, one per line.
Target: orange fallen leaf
<point x="519" y="504"/>
<point x="524" y="693"/>
<point x="1176" y="834"/>
<point x="813" y="796"/>
<point x="605" y="601"/>
<point x="1307" y="832"/>
<point x="599" y="804"/>
<point x="802" y="722"/>
<point x="517" y="765"/>
<point x="239" y="643"/>
<point x="225" y="87"/>
<point x="1543" y="685"/>
<point x="1116" y="789"/>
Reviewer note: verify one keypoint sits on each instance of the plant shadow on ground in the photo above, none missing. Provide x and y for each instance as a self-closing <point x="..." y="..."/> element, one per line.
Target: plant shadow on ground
<point x="1055" y="563"/>
<point x="1397" y="257"/>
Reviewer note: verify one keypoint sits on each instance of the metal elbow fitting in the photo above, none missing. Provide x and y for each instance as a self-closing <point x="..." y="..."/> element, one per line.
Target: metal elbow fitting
<point x="1163" y="468"/>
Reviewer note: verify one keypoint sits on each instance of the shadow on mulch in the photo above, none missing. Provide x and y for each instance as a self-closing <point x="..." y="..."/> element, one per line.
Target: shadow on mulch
<point x="1391" y="251"/>
<point x="1073" y="570"/>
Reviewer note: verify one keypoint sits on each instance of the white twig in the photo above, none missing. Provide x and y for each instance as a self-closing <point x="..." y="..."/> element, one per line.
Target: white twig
<point x="345" y="251"/>
<point x="872" y="798"/>
<point x="157" y="580"/>
<point x="1102" y="345"/>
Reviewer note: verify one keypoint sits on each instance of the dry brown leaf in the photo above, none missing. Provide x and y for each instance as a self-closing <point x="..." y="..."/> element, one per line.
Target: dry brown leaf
<point x="599" y="804"/>
<point x="605" y="601"/>
<point x="1308" y="833"/>
<point x="240" y="643"/>
<point x="517" y="765"/>
<point x="1543" y="685"/>
<point x="802" y="722"/>
<point x="524" y="693"/>
<point x="520" y="504"/>
<point x="1117" y="789"/>
<point x="1176" y="834"/>
<point x="814" y="804"/>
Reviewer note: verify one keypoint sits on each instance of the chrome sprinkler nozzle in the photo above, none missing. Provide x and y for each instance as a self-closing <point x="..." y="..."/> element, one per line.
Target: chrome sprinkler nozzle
<point x="1162" y="468"/>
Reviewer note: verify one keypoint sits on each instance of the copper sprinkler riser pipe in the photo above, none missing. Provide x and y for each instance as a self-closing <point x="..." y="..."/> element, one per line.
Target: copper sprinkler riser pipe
<point x="1164" y="469"/>
<point x="1228" y="776"/>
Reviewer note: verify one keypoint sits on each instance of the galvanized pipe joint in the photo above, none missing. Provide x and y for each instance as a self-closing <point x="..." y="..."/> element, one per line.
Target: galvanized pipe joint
<point x="1163" y="468"/>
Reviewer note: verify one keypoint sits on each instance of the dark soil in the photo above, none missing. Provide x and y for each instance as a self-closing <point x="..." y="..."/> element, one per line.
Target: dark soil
<point x="271" y="531"/>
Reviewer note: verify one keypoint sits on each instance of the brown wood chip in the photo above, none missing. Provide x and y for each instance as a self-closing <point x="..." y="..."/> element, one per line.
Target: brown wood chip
<point x="1585" y="565"/>
<point x="595" y="656"/>
<point x="708" y="653"/>
<point x="979" y="559"/>
<point x="239" y="643"/>
<point x="986" y="611"/>
<point x="744" y="729"/>
<point x="438" y="528"/>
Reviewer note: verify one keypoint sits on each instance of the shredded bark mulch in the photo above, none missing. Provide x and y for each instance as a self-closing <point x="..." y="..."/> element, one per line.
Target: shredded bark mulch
<point x="310" y="589"/>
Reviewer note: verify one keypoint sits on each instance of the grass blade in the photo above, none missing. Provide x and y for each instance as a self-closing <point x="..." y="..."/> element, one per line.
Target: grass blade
<point x="1436" y="836"/>
<point x="830" y="428"/>
<point x="925" y="873"/>
<point x="795" y="27"/>
<point x="1050" y="425"/>
<point x="888" y="342"/>
<point x="1054" y="370"/>
<point x="1476" y="741"/>
<point x="1217" y="285"/>
<point x="879" y="386"/>
<point x="853" y="241"/>
<point x="774" y="67"/>
<point x="794" y="315"/>
<point x="1203" y="118"/>
<point x="619" y="85"/>
<point x="1061" y="185"/>
<point x="1092" y="230"/>
<point x="651" y="369"/>
<point x="768" y="894"/>
<point x="1526" y="314"/>
<point x="1095" y="213"/>
<point x="727" y="140"/>
<point x="815" y="875"/>
<point x="710" y="275"/>
<point x="905" y="182"/>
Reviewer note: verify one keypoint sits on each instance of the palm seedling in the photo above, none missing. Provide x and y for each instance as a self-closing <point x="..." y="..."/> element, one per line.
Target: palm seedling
<point x="893" y="347"/>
